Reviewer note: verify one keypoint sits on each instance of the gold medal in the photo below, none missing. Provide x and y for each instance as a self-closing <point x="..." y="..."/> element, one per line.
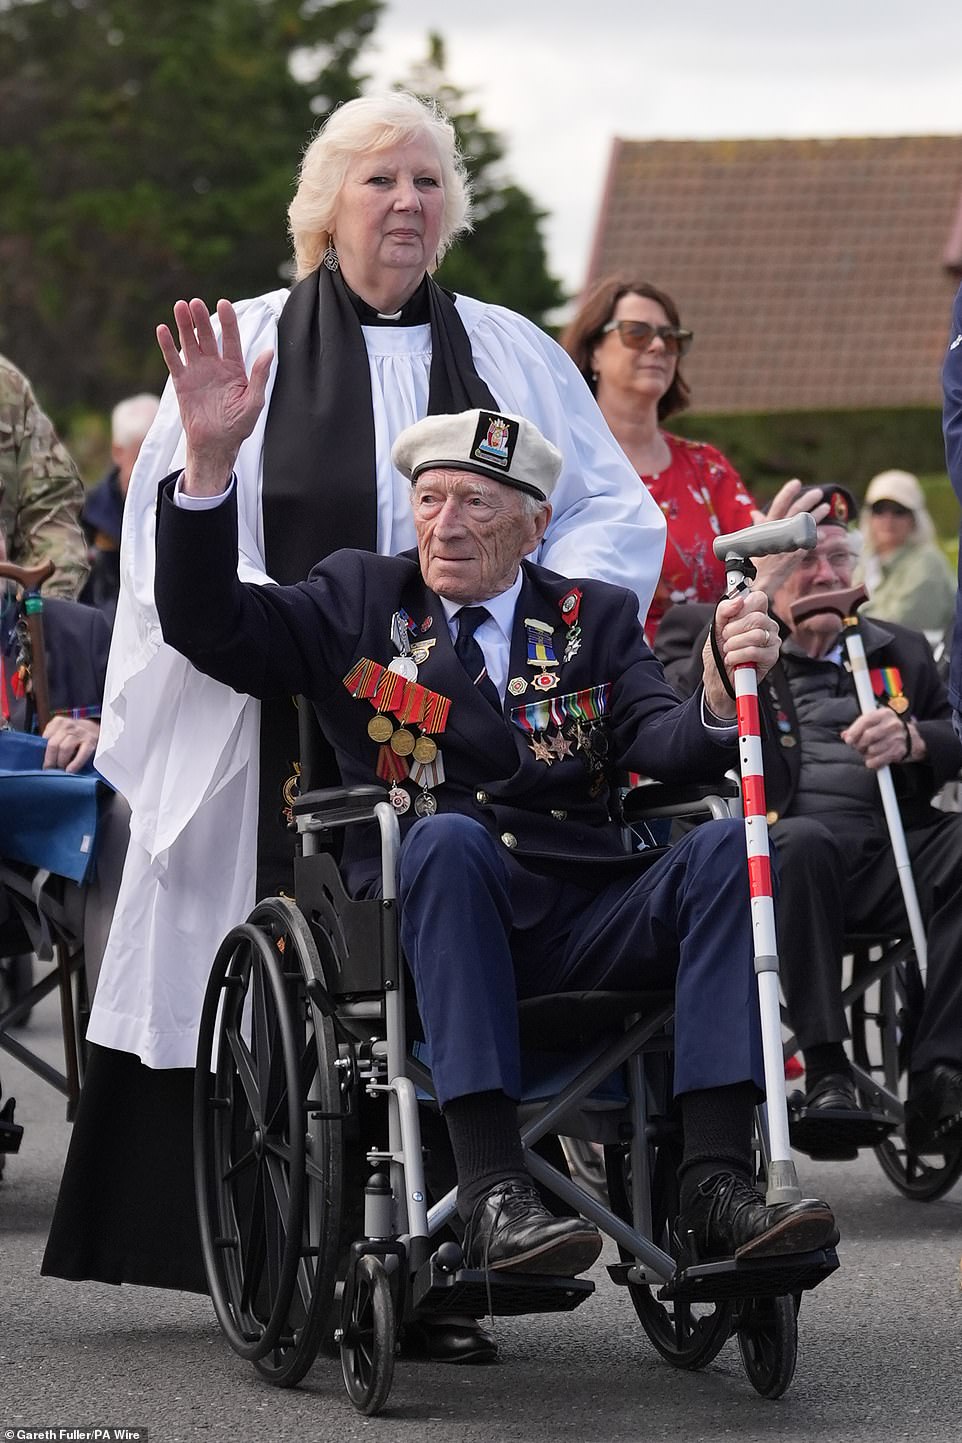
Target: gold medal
<point x="425" y="749"/>
<point x="899" y="703"/>
<point x="402" y="742"/>
<point x="380" y="728"/>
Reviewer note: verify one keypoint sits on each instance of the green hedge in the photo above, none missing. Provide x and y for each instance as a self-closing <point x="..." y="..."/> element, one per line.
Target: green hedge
<point x="846" y="446"/>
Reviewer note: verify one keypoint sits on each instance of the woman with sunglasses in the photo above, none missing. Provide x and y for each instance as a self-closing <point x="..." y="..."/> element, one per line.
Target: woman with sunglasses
<point x="902" y="567"/>
<point x="627" y="340"/>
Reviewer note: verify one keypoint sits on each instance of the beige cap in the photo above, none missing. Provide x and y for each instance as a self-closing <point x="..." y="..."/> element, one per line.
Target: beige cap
<point x="490" y="443"/>
<point x="899" y="486"/>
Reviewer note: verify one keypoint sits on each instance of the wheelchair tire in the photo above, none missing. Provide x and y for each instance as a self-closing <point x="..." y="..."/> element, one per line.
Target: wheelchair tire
<point x="369" y="1338"/>
<point x="768" y="1342"/>
<point x="926" y="1176"/>
<point x="267" y="1145"/>
<point x="687" y="1335"/>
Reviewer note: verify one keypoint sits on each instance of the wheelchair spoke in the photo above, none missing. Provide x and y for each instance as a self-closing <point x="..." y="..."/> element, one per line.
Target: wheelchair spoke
<point x="245" y="1071"/>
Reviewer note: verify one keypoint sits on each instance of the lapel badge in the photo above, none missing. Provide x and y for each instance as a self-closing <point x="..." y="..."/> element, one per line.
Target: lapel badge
<point x="570" y="605"/>
<point x="517" y="685"/>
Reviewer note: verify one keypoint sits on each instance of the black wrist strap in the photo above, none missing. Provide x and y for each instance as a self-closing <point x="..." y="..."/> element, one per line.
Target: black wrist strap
<point x="717" y="658"/>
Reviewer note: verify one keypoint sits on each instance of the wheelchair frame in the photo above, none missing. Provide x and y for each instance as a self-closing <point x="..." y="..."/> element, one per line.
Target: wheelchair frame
<point x="884" y="977"/>
<point x="263" y="1198"/>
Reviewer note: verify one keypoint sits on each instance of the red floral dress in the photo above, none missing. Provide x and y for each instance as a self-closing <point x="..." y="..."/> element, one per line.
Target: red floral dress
<point x="702" y="496"/>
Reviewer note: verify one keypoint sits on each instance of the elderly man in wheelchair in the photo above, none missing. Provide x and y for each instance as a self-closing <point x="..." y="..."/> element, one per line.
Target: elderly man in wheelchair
<point x="496" y="697"/>
<point x="827" y="821"/>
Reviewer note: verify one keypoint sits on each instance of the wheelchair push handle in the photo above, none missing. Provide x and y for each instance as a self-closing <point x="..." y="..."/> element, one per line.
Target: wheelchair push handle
<point x="795" y="533"/>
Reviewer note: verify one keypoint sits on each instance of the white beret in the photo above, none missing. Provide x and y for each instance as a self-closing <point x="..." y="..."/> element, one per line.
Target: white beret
<point x="491" y="443"/>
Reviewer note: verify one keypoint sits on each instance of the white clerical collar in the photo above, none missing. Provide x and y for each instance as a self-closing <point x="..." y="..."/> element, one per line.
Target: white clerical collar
<point x="501" y="607"/>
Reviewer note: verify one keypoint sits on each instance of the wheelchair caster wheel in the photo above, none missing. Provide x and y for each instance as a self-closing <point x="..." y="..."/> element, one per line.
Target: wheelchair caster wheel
<point x="768" y="1342"/>
<point x="368" y="1338"/>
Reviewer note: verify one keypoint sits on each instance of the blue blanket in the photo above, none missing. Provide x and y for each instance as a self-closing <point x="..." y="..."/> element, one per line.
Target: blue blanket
<point x="47" y="818"/>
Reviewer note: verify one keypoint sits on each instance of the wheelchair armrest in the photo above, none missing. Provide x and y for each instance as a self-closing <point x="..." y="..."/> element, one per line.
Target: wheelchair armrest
<point x="696" y="799"/>
<point x="336" y="806"/>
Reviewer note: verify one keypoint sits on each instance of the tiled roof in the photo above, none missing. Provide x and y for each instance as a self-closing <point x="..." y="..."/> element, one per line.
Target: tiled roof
<point x="814" y="273"/>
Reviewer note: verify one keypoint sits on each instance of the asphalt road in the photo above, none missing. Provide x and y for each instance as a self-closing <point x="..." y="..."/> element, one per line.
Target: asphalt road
<point x="880" y="1346"/>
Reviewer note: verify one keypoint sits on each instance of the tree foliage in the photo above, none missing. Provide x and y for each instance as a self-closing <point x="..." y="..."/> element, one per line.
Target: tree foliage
<point x="504" y="259"/>
<point x="149" y="152"/>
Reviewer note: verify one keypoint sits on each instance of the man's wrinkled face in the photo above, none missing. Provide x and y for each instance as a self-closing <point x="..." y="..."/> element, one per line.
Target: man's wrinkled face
<point x="472" y="533"/>
<point x="828" y="567"/>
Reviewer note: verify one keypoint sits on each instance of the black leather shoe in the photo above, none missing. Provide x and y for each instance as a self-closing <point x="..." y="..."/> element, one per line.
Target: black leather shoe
<point x="448" y="1340"/>
<point x="512" y="1231"/>
<point x="933" y="1111"/>
<point x="835" y="1092"/>
<point x="829" y="1122"/>
<point x="728" y="1219"/>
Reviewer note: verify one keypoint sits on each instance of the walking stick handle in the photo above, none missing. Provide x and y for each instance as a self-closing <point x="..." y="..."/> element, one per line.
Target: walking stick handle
<point x="795" y="533"/>
<point x="31" y="578"/>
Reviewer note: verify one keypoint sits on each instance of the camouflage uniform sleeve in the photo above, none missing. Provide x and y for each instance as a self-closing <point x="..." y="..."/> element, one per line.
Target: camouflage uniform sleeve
<point x="41" y="492"/>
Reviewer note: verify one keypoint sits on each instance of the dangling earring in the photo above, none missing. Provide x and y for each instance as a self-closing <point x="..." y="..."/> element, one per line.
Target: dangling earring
<point x="329" y="258"/>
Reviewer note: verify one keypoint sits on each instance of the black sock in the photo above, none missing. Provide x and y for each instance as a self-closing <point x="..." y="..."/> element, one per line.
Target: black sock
<point x="717" y="1128"/>
<point x="483" y="1127"/>
<point x="822" y="1059"/>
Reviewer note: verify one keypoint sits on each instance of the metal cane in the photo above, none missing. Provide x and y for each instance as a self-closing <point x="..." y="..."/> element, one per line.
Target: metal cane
<point x="845" y="604"/>
<point x="795" y="533"/>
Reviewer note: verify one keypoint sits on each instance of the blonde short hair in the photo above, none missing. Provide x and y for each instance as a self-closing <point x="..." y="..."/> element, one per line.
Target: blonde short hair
<point x="369" y="124"/>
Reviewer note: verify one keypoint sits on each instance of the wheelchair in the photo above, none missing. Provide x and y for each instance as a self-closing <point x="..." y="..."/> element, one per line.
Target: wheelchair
<point x="306" y="1048"/>
<point x="883" y="1000"/>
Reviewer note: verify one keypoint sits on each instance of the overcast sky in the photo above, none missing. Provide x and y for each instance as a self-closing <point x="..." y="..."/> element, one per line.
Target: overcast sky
<point x="559" y="79"/>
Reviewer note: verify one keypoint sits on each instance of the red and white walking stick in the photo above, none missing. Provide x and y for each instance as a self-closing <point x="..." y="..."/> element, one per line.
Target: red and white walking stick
<point x="795" y="533"/>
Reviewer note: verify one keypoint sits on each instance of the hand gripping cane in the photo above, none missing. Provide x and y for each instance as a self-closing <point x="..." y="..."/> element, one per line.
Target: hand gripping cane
<point x="793" y="534"/>
<point x="845" y="604"/>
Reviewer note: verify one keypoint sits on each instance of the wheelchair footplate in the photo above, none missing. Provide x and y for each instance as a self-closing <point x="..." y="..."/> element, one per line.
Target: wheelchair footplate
<point x="763" y="1278"/>
<point x="475" y="1294"/>
<point x="835" y="1134"/>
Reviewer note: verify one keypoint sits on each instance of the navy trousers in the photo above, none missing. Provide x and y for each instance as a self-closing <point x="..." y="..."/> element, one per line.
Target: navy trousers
<point x="683" y="923"/>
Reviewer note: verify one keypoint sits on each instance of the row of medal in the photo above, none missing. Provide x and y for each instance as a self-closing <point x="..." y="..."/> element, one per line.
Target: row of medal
<point x="407" y="749"/>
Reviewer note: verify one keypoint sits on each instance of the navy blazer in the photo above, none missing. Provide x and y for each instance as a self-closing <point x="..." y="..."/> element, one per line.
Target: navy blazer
<point x="952" y="427"/>
<point x="305" y="639"/>
<point x="683" y="632"/>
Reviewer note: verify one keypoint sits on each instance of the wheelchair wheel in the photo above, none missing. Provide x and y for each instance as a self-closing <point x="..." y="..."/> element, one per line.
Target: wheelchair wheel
<point x="687" y="1335"/>
<point x="369" y="1337"/>
<point x="924" y="1176"/>
<point x="267" y="1145"/>
<point x="768" y="1342"/>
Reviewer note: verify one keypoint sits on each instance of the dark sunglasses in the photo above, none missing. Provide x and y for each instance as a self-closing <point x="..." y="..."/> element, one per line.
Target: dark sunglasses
<point x="890" y="508"/>
<point x="639" y="335"/>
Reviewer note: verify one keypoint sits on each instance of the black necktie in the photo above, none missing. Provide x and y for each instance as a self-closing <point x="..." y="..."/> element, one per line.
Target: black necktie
<point x="469" y="653"/>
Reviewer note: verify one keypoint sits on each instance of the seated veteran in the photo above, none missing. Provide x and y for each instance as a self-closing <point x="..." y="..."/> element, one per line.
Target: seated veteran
<point x="76" y="642"/>
<point x="836" y="868"/>
<point x="491" y="695"/>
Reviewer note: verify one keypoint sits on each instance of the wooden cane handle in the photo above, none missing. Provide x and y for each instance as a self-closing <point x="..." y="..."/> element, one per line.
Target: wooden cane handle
<point x="29" y="577"/>
<point x="840" y="603"/>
